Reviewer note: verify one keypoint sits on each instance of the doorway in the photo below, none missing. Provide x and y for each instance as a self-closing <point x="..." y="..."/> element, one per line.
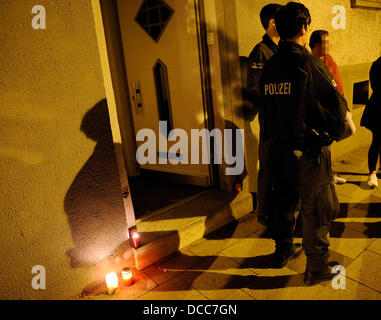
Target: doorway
<point x="162" y="55"/>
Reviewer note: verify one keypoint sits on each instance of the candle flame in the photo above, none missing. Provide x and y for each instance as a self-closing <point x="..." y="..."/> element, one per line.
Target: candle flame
<point x="112" y="280"/>
<point x="126" y="274"/>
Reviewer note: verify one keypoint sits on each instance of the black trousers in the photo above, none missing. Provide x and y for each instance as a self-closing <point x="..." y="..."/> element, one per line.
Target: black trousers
<point x="308" y="181"/>
<point x="264" y="182"/>
<point x="374" y="151"/>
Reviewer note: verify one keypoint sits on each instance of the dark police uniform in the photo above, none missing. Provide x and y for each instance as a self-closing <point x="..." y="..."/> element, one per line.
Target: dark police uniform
<point x="303" y="111"/>
<point x="258" y="58"/>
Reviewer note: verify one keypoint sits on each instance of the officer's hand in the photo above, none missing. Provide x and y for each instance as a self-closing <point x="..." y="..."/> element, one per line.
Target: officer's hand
<point x="323" y="139"/>
<point x="350" y="127"/>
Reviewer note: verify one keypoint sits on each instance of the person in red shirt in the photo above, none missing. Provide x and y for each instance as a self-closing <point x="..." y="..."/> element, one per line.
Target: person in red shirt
<point x="319" y="44"/>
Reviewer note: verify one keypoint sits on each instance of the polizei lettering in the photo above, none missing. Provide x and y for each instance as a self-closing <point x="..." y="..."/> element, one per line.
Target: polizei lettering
<point x="281" y="88"/>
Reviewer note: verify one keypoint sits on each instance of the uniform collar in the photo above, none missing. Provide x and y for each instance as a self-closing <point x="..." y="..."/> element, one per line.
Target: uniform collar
<point x="271" y="44"/>
<point x="292" y="45"/>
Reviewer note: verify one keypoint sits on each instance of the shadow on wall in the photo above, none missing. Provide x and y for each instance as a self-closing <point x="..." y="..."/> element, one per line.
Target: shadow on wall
<point x="93" y="203"/>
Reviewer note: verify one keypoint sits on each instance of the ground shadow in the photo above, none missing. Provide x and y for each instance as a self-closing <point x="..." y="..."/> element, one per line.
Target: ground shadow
<point x="353" y="229"/>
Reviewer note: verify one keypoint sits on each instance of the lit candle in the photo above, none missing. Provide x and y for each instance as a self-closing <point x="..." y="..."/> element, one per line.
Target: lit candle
<point x="135" y="239"/>
<point x="112" y="282"/>
<point x="127" y="276"/>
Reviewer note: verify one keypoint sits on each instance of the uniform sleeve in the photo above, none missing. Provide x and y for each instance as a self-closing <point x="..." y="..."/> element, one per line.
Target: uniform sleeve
<point x="255" y="66"/>
<point x="339" y="82"/>
<point x="302" y="101"/>
<point x="329" y="106"/>
<point x="334" y="69"/>
<point x="337" y="77"/>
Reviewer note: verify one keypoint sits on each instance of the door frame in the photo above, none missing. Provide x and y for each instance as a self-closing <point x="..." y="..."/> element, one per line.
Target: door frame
<point x="206" y="83"/>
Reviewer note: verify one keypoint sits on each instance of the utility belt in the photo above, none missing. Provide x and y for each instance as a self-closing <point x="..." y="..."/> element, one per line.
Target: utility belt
<point x="314" y="141"/>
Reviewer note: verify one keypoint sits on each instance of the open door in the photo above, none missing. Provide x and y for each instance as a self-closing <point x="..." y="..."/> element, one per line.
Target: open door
<point x="162" y="61"/>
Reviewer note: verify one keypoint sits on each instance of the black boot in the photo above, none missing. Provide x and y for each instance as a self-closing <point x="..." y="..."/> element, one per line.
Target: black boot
<point x="281" y="258"/>
<point x="311" y="277"/>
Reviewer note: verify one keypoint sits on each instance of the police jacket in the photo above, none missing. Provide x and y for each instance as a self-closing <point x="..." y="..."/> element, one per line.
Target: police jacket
<point x="371" y="117"/>
<point x="258" y="58"/>
<point x="300" y="99"/>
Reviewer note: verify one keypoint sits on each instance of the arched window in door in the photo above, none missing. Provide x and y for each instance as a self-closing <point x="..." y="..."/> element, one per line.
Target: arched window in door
<point x="163" y="94"/>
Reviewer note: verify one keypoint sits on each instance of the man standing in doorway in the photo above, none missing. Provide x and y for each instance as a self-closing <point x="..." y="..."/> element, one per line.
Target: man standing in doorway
<point x="258" y="58"/>
<point x="303" y="113"/>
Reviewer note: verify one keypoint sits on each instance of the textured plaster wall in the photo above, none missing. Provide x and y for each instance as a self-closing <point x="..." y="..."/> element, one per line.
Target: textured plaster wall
<point x="60" y="194"/>
<point x="360" y="42"/>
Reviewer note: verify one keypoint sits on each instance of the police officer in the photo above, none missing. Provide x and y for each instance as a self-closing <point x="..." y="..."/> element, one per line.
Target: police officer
<point x="303" y="114"/>
<point x="265" y="49"/>
<point x="258" y="58"/>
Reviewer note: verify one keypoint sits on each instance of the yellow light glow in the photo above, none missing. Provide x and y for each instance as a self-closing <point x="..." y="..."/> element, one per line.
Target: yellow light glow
<point x="135" y="239"/>
<point x="135" y="235"/>
<point x="112" y="282"/>
<point x="127" y="276"/>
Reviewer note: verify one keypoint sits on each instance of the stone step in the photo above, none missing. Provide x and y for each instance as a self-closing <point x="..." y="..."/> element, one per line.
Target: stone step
<point x="177" y="227"/>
